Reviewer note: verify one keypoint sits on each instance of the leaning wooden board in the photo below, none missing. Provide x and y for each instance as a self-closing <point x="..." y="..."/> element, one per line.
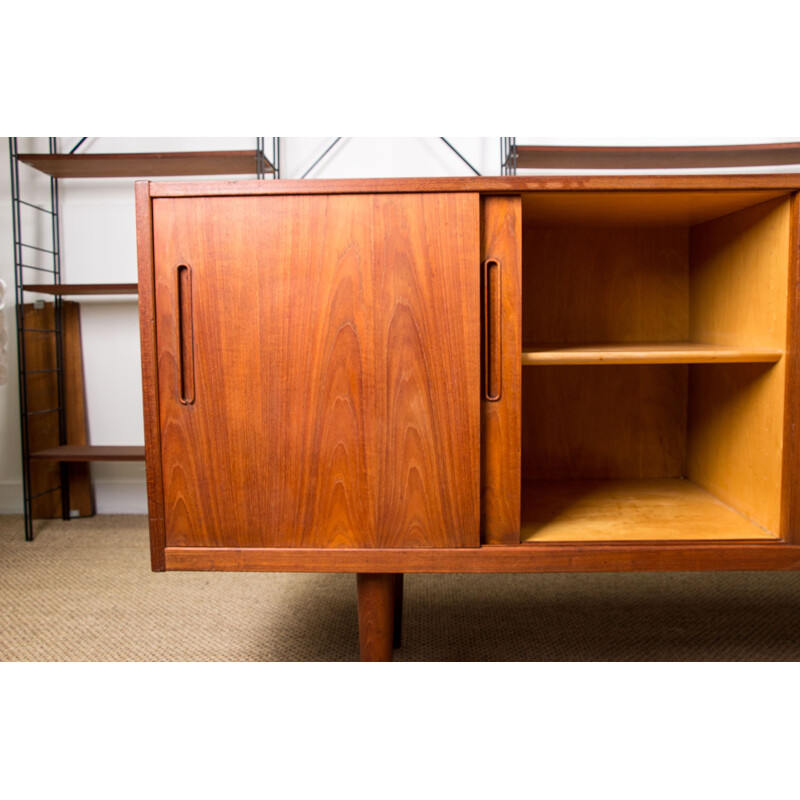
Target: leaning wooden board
<point x="41" y="384"/>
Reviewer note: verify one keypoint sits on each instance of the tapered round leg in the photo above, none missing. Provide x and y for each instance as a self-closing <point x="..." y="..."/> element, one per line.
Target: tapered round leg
<point x="376" y="615"/>
<point x="398" y="610"/>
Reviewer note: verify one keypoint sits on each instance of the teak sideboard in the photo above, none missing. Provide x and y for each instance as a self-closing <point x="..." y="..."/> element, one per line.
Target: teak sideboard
<point x="471" y="375"/>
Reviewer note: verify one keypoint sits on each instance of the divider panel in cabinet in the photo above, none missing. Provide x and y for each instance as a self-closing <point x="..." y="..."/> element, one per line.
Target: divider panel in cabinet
<point x="739" y="296"/>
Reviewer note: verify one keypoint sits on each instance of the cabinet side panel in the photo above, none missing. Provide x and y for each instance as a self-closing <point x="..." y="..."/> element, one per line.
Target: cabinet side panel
<point x="501" y="240"/>
<point x="790" y="519"/>
<point x="147" y="333"/>
<point x="738" y="288"/>
<point x="426" y="417"/>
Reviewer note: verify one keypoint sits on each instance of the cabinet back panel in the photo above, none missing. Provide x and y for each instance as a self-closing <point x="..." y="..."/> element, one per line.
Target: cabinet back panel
<point x="739" y="294"/>
<point x="592" y="422"/>
<point x="605" y="284"/>
<point x="330" y="336"/>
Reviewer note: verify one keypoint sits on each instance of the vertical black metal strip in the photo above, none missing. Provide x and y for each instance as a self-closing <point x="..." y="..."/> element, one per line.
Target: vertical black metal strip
<point x="58" y="314"/>
<point x="19" y="296"/>
<point x="260" y="158"/>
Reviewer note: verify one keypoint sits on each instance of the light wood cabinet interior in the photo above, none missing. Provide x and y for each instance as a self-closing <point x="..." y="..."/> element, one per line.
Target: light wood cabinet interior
<point x="654" y="327"/>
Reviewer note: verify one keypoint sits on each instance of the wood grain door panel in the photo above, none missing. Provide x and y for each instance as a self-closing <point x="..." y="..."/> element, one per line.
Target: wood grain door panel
<point x="335" y="353"/>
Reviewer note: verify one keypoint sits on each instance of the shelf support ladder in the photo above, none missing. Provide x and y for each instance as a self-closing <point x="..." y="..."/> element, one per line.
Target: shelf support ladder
<point x="21" y="244"/>
<point x="508" y="155"/>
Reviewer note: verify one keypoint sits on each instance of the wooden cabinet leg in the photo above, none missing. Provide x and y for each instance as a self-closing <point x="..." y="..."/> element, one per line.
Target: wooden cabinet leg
<point x="398" y="610"/>
<point x="376" y="615"/>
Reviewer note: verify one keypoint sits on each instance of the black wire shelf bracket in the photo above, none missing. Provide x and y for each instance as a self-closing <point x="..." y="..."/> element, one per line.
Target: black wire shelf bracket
<point x="459" y="154"/>
<point x="38" y="269"/>
<point x="33" y="205"/>
<point x="321" y="157"/>
<point x="338" y="139"/>
<point x="40" y="249"/>
<point x="46" y="491"/>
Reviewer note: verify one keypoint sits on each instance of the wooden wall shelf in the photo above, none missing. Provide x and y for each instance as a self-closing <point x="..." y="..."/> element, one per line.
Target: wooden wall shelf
<point x="91" y="452"/>
<point x="748" y="155"/>
<point x="134" y="165"/>
<point x="70" y="289"/>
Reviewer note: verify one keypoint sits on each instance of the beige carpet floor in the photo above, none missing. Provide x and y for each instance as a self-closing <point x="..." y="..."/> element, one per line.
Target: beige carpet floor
<point x="83" y="591"/>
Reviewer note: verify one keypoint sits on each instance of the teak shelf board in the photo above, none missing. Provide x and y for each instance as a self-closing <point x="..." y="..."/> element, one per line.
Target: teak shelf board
<point x="84" y="288"/>
<point x="88" y="452"/>
<point x="650" y="353"/>
<point x="135" y="165"/>
<point x="660" y="509"/>
<point x="682" y="157"/>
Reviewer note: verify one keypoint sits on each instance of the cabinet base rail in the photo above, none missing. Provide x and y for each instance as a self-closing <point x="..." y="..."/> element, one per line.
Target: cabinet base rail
<point x="569" y="557"/>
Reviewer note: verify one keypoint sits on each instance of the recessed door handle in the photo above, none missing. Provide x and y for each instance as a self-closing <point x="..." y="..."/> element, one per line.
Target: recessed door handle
<point x="492" y="331"/>
<point x="185" y="336"/>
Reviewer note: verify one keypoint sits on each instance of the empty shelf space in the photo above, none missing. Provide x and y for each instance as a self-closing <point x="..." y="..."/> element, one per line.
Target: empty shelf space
<point x="649" y="353"/>
<point x="663" y="509"/>
<point x="84" y="288"/>
<point x="675" y="157"/>
<point x="133" y="165"/>
<point x="91" y="452"/>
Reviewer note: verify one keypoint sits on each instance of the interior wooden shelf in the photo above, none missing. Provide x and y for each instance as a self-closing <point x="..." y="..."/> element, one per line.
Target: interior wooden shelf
<point x="91" y="452"/>
<point x="135" y="165"/>
<point x="650" y="353"/>
<point x="750" y="155"/>
<point x="84" y="288"/>
<point x="643" y="509"/>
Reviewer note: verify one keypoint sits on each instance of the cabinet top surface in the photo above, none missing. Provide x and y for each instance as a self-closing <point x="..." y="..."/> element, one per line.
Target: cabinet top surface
<point x="497" y="185"/>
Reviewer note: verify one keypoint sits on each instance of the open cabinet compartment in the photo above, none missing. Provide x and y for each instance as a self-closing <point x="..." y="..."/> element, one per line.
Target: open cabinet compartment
<point x="654" y="328"/>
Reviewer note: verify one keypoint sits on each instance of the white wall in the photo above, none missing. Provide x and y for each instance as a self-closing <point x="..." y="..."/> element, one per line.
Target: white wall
<point x="98" y="244"/>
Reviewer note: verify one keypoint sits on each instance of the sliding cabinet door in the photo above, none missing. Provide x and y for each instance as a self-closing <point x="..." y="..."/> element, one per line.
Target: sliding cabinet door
<point x="318" y="370"/>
